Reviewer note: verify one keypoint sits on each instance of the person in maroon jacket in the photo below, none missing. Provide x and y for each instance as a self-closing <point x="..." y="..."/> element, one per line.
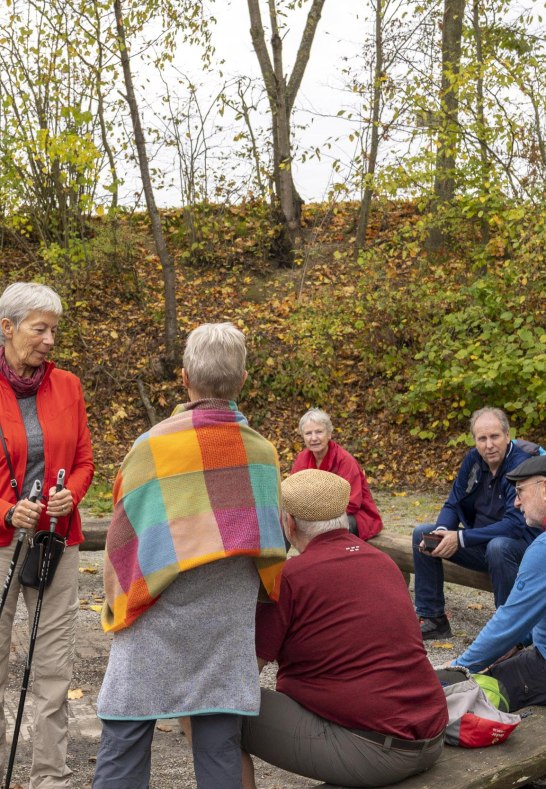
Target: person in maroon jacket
<point x="357" y="702"/>
<point x="321" y="452"/>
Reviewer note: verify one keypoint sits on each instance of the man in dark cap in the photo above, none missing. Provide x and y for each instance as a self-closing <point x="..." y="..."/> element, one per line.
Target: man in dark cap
<point x="500" y="647"/>
<point x="357" y="702"/>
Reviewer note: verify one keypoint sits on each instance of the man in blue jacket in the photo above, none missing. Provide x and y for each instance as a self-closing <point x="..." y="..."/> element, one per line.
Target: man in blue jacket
<point x="479" y="526"/>
<point x="522" y="619"/>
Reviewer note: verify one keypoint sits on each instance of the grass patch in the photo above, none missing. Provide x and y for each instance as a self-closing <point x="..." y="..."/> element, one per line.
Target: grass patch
<point x="98" y="499"/>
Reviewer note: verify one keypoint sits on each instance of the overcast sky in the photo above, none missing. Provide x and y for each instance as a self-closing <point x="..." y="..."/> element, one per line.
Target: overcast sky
<point x="340" y="33"/>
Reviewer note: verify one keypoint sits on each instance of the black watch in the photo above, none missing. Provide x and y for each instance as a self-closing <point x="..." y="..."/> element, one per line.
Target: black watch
<point x="8" y="517"/>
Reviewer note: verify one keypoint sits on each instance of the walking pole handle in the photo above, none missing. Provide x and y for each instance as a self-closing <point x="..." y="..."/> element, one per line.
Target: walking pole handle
<point x="34" y="496"/>
<point x="36" y="490"/>
<point x="60" y="479"/>
<point x="59" y="486"/>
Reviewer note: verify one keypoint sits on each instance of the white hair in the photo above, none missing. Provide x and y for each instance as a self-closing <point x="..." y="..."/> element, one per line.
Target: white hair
<point x="311" y="529"/>
<point x="316" y="415"/>
<point x="21" y="298"/>
<point x="214" y="360"/>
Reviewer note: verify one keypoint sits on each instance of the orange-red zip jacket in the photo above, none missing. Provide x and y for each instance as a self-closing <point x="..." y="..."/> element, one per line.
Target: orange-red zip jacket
<point x="67" y="444"/>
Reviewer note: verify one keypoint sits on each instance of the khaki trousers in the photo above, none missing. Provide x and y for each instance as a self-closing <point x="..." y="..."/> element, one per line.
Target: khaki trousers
<point x="293" y="738"/>
<point x="51" y="666"/>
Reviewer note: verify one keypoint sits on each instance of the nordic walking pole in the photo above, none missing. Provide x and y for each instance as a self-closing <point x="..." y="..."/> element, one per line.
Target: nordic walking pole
<point x="44" y="570"/>
<point x="34" y="493"/>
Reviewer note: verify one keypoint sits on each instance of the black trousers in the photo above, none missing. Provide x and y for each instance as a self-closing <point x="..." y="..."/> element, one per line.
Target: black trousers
<point x="524" y="677"/>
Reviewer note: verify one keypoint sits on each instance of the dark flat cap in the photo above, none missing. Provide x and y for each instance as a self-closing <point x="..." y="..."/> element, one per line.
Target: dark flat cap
<point x="534" y="467"/>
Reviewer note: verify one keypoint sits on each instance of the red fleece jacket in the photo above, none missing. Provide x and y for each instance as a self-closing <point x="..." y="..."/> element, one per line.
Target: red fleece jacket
<point x="67" y="444"/>
<point x="361" y="504"/>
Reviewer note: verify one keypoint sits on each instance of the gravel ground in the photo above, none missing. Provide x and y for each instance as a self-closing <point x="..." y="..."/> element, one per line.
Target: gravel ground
<point x="172" y="764"/>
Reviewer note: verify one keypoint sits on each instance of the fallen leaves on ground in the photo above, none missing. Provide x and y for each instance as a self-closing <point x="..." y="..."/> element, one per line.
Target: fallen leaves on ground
<point x="443" y="644"/>
<point x="77" y="693"/>
<point x="160" y="726"/>
<point x="476" y="606"/>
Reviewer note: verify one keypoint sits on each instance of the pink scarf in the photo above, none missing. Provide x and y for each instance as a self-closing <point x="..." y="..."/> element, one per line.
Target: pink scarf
<point x="23" y="387"/>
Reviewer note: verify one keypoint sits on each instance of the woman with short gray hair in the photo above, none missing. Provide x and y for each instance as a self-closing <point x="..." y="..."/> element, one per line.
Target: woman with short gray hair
<point x="43" y="428"/>
<point x="195" y="534"/>
<point x="323" y="453"/>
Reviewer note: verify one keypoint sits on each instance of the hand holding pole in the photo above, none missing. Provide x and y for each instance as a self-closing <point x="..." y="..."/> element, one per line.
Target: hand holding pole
<point x="34" y="494"/>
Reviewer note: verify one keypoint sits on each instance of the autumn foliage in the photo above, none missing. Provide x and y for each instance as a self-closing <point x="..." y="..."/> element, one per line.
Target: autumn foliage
<point x="398" y="346"/>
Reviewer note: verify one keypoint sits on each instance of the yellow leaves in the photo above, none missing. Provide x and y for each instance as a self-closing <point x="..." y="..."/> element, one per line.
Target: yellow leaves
<point x="77" y="693"/>
<point x="120" y="413"/>
<point x="163" y="726"/>
<point x="442" y="644"/>
<point x="90" y="570"/>
<point x="475" y="606"/>
<point x="85" y="605"/>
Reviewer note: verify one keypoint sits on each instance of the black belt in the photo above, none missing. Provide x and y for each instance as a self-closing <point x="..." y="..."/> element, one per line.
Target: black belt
<point x="387" y="741"/>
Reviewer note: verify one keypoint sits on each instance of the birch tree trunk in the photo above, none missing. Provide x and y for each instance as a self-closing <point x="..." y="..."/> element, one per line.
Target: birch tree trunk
<point x="480" y="113"/>
<point x="448" y="132"/>
<point x="167" y="265"/>
<point x="281" y="94"/>
<point x="364" y="213"/>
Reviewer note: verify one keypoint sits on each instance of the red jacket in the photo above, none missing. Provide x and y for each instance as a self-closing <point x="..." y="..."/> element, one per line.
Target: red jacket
<point x="67" y="444"/>
<point x="361" y="504"/>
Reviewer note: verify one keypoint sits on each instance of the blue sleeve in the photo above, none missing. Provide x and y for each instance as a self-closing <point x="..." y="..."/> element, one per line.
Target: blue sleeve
<point x="512" y="524"/>
<point x="449" y="514"/>
<point x="512" y="622"/>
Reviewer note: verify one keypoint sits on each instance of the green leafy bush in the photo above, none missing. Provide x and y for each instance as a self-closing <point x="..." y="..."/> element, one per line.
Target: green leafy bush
<point x="490" y="349"/>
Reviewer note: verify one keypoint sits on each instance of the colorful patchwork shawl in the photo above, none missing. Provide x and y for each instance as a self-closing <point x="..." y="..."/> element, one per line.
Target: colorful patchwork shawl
<point x="198" y="487"/>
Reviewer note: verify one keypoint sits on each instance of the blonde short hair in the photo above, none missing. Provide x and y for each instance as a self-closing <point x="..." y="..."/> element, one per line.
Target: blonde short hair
<point x="214" y="360"/>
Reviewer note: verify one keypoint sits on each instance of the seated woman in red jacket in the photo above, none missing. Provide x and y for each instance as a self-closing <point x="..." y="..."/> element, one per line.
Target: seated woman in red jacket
<point x="323" y="453"/>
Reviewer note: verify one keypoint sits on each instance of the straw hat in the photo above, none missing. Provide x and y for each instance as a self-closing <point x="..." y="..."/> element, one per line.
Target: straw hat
<point x="314" y="495"/>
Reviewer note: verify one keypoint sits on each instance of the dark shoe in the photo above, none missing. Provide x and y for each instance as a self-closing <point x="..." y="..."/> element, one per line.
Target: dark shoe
<point x="436" y="627"/>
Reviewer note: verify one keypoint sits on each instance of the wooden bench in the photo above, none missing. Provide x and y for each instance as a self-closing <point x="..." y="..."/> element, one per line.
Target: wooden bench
<point x="515" y="763"/>
<point x="94" y="533"/>
<point x="398" y="547"/>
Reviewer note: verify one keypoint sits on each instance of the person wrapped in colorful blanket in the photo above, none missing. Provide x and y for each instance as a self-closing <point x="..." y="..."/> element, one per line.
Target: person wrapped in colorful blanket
<point x="195" y="536"/>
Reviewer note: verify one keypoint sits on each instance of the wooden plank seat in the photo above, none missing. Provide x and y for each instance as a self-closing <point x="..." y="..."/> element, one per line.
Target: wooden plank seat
<point x="94" y="533"/>
<point x="398" y="547"/>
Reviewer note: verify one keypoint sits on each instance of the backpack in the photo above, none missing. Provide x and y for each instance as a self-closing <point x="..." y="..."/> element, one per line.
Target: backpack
<point x="530" y="447"/>
<point x="474" y="722"/>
